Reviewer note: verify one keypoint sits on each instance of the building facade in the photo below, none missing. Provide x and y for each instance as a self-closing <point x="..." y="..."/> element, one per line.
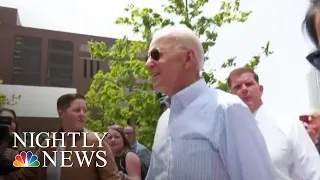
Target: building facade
<point x="44" y="58"/>
<point x="38" y="57"/>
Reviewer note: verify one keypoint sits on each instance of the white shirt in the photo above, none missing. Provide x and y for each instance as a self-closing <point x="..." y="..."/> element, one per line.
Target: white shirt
<point x="293" y="154"/>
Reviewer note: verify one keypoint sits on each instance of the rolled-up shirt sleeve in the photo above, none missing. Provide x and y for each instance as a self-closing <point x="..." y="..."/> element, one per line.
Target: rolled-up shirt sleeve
<point x="242" y="146"/>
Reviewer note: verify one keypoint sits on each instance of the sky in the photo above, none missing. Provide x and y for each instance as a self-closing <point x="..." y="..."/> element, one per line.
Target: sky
<point x="283" y="74"/>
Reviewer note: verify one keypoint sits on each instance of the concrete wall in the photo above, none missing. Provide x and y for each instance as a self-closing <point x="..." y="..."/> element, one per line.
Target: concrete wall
<point x="36" y="101"/>
<point x="36" y="110"/>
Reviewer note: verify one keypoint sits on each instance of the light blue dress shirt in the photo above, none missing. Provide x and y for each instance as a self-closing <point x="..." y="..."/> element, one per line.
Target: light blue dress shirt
<point x="208" y="135"/>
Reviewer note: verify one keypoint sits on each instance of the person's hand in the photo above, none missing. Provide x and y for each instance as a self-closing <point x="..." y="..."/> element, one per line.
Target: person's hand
<point x="10" y="154"/>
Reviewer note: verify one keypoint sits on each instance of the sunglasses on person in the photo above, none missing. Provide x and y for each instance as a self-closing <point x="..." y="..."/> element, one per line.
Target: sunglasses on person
<point x="154" y="54"/>
<point x="314" y="59"/>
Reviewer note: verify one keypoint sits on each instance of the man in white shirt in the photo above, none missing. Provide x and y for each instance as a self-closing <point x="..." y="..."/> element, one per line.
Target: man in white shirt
<point x="198" y="136"/>
<point x="293" y="154"/>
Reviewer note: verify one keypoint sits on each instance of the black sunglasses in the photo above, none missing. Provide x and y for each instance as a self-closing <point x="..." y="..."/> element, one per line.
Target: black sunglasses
<point x="154" y="54"/>
<point x="314" y="59"/>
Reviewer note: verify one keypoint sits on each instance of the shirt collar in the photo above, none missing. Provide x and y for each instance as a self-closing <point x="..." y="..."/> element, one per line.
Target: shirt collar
<point x="186" y="96"/>
<point x="167" y="101"/>
<point x="134" y="145"/>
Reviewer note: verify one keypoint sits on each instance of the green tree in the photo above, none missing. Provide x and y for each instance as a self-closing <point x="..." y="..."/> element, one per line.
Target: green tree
<point x="11" y="101"/>
<point x="107" y="92"/>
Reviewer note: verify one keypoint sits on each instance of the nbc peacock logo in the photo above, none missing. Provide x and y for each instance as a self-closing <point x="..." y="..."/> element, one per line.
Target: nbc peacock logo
<point x="26" y="159"/>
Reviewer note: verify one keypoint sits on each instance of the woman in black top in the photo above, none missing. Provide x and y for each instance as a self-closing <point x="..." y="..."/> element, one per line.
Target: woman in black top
<point x="127" y="162"/>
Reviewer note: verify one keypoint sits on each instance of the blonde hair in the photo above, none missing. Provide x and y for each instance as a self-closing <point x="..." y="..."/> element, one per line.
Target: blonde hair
<point x="315" y="114"/>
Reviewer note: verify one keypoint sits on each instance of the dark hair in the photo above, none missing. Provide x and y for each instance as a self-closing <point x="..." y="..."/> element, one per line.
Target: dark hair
<point x="119" y="129"/>
<point x="18" y="130"/>
<point x="9" y="110"/>
<point x="240" y="71"/>
<point x="309" y="22"/>
<point x="65" y="101"/>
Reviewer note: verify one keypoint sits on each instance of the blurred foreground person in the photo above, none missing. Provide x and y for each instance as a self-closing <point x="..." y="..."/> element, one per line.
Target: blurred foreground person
<point x="72" y="110"/>
<point x="210" y="134"/>
<point x="312" y="27"/>
<point x="292" y="152"/>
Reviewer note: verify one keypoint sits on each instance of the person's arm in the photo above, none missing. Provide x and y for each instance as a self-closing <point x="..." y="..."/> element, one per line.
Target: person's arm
<point x="304" y="153"/>
<point x="242" y="146"/>
<point x="110" y="170"/>
<point x="28" y="173"/>
<point x="133" y="167"/>
<point x="11" y="153"/>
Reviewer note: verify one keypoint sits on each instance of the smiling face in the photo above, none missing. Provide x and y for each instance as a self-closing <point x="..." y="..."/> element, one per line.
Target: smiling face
<point x="74" y="117"/>
<point x="167" y="68"/>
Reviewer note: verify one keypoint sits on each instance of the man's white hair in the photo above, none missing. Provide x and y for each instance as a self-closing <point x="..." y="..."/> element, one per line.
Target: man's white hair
<point x="185" y="37"/>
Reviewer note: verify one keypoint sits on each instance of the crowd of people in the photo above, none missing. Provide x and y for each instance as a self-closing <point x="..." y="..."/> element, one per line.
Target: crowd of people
<point x="203" y="134"/>
<point x="126" y="157"/>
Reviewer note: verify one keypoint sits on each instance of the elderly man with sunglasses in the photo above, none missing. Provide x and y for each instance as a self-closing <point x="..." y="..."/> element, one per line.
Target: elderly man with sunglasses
<point x="205" y="134"/>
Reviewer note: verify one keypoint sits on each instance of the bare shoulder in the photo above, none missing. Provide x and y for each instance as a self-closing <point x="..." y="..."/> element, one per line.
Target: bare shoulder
<point x="131" y="156"/>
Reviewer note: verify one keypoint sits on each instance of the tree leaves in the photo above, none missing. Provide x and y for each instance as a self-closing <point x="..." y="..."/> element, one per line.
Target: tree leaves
<point x="125" y="92"/>
<point x="8" y="101"/>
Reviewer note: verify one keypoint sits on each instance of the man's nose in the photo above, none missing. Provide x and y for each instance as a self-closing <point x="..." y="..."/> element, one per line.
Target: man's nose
<point x="83" y="113"/>
<point x="149" y="63"/>
<point x="244" y="89"/>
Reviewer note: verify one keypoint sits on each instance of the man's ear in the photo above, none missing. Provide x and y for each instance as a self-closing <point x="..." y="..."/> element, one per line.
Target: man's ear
<point x="190" y="60"/>
<point x="60" y="113"/>
<point x="261" y="89"/>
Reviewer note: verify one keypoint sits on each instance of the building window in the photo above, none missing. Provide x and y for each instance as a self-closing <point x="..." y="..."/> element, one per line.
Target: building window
<point x="85" y="62"/>
<point x="27" y="57"/>
<point x="95" y="64"/>
<point x="60" y="63"/>
<point x="98" y="66"/>
<point x="91" y="68"/>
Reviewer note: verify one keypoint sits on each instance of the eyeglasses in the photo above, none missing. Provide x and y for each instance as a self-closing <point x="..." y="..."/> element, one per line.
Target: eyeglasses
<point x="314" y="59"/>
<point x="154" y="54"/>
